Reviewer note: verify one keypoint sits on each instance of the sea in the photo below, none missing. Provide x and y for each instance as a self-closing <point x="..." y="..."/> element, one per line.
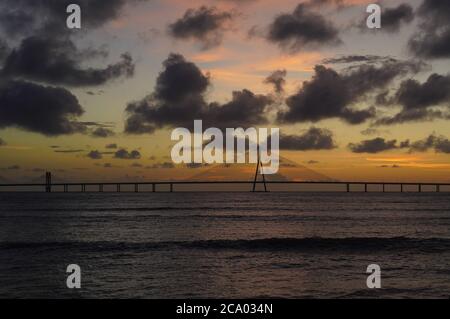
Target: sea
<point x="225" y="245"/>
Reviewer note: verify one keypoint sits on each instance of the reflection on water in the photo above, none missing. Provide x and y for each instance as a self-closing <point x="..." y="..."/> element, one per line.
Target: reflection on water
<point x="238" y="245"/>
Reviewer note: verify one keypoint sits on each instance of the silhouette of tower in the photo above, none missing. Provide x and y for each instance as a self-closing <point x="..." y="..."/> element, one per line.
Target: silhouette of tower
<point x="258" y="168"/>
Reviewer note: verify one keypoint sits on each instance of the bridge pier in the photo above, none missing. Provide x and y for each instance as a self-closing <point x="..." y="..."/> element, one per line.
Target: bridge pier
<point x="153" y="188"/>
<point x="365" y="188"/>
<point x="100" y="188"/>
<point x="83" y="188"/>
<point x="48" y="182"/>
<point x="136" y="188"/>
<point x="401" y="188"/>
<point x="384" y="188"/>
<point x="171" y="187"/>
<point x="420" y="188"/>
<point x="438" y="188"/>
<point x="348" y="188"/>
<point x="118" y="188"/>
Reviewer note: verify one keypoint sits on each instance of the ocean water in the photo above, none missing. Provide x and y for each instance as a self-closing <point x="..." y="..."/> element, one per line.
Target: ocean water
<point x="225" y="245"/>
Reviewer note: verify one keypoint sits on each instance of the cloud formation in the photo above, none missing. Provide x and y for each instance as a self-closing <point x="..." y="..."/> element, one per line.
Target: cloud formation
<point x="440" y="144"/>
<point x="392" y="19"/>
<point x="376" y="145"/>
<point x="302" y="29"/>
<point x="95" y="155"/>
<point x="102" y="132"/>
<point x="278" y="80"/>
<point x="433" y="38"/>
<point x="313" y="139"/>
<point x="205" y="25"/>
<point x="419" y="101"/>
<point x="124" y="154"/>
<point x="178" y="99"/>
<point x="57" y="61"/>
<point x="330" y="94"/>
<point x="47" y="110"/>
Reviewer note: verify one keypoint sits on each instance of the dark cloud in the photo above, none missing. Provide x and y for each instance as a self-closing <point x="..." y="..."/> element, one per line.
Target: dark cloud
<point x="4" y="50"/>
<point x="302" y="29"/>
<point x="111" y="146"/>
<point x="49" y="16"/>
<point x="440" y="144"/>
<point x="433" y="38"/>
<point x="95" y="155"/>
<point x="347" y="59"/>
<point x="390" y="166"/>
<point x="330" y="94"/>
<point x="419" y="101"/>
<point x="373" y="131"/>
<point x="374" y="146"/>
<point x="57" y="61"/>
<point x="205" y="25"/>
<point x="196" y="165"/>
<point x="277" y="79"/>
<point x="392" y="19"/>
<point x="2" y="142"/>
<point x="136" y="165"/>
<point x="46" y="110"/>
<point x="124" y="154"/>
<point x="178" y="100"/>
<point x="102" y="132"/>
<point x="165" y="165"/>
<point x="313" y="139"/>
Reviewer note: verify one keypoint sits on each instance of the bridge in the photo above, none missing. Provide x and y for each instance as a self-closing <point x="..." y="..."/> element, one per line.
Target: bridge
<point x="172" y="186"/>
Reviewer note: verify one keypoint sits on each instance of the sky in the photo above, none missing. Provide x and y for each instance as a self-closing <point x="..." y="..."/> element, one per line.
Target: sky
<point x="99" y="103"/>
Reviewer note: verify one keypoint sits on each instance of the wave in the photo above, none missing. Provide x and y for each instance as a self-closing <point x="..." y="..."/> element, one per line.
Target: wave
<point x="313" y="244"/>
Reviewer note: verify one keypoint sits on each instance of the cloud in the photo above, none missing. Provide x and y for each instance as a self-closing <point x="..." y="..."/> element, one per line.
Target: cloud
<point x="206" y="25"/>
<point x="433" y="38"/>
<point x="2" y="142"/>
<point x="440" y="144"/>
<point x="178" y="99"/>
<point x="330" y="94"/>
<point x="196" y="165"/>
<point x="58" y="61"/>
<point x="392" y="19"/>
<point x="302" y="29"/>
<point x="95" y="155"/>
<point x="376" y="145"/>
<point x="102" y="132"/>
<point x="46" y="110"/>
<point x="313" y="139"/>
<point x="124" y="154"/>
<point x="111" y="146"/>
<point x="48" y="16"/>
<point x="419" y="101"/>
<point x="165" y="165"/>
<point x="277" y="79"/>
<point x="347" y="59"/>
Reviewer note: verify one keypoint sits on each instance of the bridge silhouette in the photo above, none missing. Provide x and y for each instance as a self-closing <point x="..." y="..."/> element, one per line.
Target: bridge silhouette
<point x="170" y="186"/>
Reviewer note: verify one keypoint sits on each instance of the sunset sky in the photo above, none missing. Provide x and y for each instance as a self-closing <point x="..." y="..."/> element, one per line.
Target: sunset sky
<point x="100" y="103"/>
